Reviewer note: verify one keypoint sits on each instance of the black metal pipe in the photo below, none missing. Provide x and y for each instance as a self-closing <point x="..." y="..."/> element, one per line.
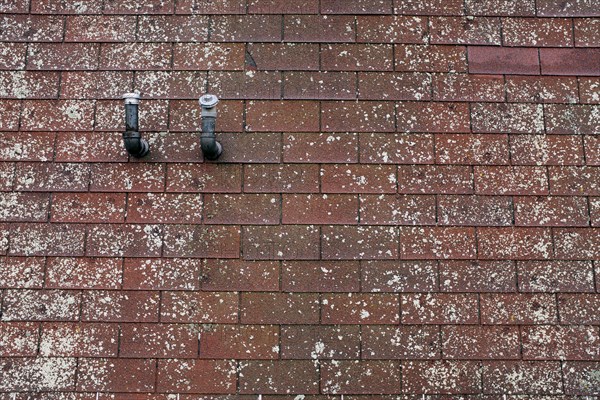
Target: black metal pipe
<point x="211" y="148"/>
<point x="132" y="138"/>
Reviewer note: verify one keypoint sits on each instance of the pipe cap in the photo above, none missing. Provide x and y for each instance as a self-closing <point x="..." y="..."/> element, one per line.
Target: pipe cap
<point x="208" y="100"/>
<point x="131" y="98"/>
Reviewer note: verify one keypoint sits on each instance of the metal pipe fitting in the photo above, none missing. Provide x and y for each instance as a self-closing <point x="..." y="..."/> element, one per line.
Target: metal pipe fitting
<point x="211" y="149"/>
<point x="132" y="139"/>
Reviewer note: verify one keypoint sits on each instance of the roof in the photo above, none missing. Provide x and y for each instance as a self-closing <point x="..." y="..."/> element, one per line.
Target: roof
<point x="408" y="202"/>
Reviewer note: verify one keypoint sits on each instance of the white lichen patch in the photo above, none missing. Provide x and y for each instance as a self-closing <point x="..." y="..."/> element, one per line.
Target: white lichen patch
<point x="95" y="84"/>
<point x="10" y="111"/>
<point x="439" y="308"/>
<point x="204" y="308"/>
<point x="561" y="342"/>
<point x="201" y="178"/>
<point x="88" y="208"/>
<point x="363" y="242"/>
<point x="582" y="377"/>
<point x="573" y="119"/>
<point x="511" y="118"/>
<point x="291" y="242"/>
<point x="16" y="84"/>
<point x="389" y="276"/>
<point x="184" y="374"/>
<point x="475" y="342"/>
<point x="20" y="272"/>
<point x="163" y="274"/>
<point x="403" y="342"/>
<point x="519" y="309"/>
<point x="472" y="149"/>
<point x="148" y="55"/>
<point x="165" y="340"/>
<point x="474" y="211"/>
<point x="538" y="150"/>
<point x="12" y="55"/>
<point x="432" y="242"/>
<point x="210" y="56"/>
<point x="403" y="86"/>
<point x="517" y="244"/>
<point x="154" y="83"/>
<point x="78" y="340"/>
<point x="52" y="177"/>
<point x="542" y="90"/>
<point x="359" y="178"/>
<point x="42" y="239"/>
<point x="538" y="32"/>
<point x="309" y="147"/>
<point x="509" y="7"/>
<point x="38" y="374"/>
<point x="4" y="244"/>
<point x="346" y="116"/>
<point x="465" y="30"/>
<point x="516" y="180"/>
<point x="465" y="87"/>
<point x="23" y="207"/>
<point x="73" y="115"/>
<point x="435" y="179"/>
<point x="239" y="341"/>
<point x="434" y="117"/>
<point x="201" y="241"/>
<point x="481" y="276"/>
<point x="431" y="58"/>
<point x="590" y="88"/>
<point x="576" y="244"/>
<point x="393" y="29"/>
<point x="18" y="338"/>
<point x="359" y="308"/>
<point x="103" y="305"/>
<point x="167" y="208"/>
<point x="523" y="377"/>
<point x="24" y="146"/>
<point x="7" y="175"/>
<point x="444" y="376"/>
<point x="86" y="273"/>
<point x="126" y="177"/>
<point x="168" y="29"/>
<point x="551" y="211"/>
<point x="36" y="305"/>
<point x="119" y="241"/>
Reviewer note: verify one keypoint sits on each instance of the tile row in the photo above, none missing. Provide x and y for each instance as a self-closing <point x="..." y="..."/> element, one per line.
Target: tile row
<point x="169" y="376"/>
<point x="526" y="8"/>
<point x="301" y="57"/>
<point x="304" y="178"/>
<point x="550" y="312"/>
<point x="421" y="151"/>
<point x="300" y="85"/>
<point x="300" y="209"/>
<point x="306" y="116"/>
<point x="472" y="30"/>
<point x="299" y="242"/>
<point x="299" y="342"/>
<point x="374" y="276"/>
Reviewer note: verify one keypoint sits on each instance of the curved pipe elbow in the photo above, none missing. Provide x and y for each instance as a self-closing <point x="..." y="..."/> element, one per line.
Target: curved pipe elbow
<point x="135" y="145"/>
<point x="211" y="148"/>
<point x="132" y="139"/>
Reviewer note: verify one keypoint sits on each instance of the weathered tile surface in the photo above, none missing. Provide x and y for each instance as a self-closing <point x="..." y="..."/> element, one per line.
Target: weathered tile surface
<point x="407" y="206"/>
